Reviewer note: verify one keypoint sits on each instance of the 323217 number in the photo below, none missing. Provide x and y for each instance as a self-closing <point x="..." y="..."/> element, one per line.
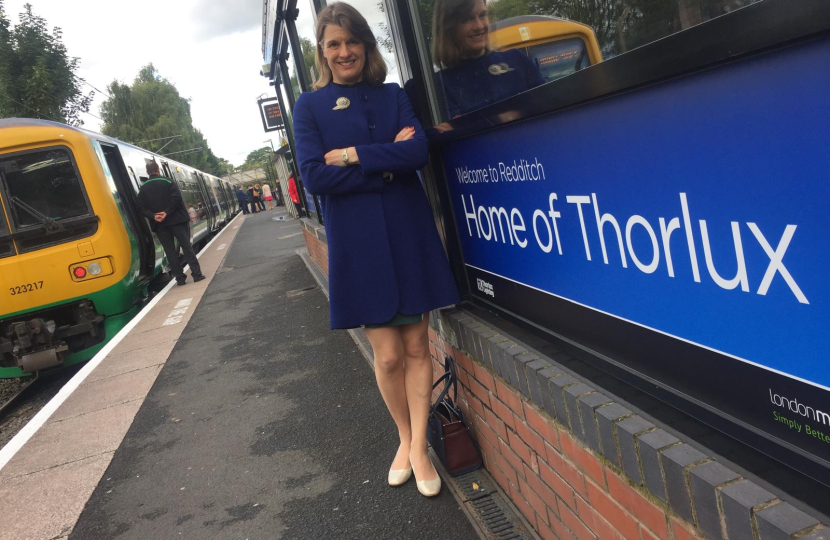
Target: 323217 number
<point x="27" y="288"/>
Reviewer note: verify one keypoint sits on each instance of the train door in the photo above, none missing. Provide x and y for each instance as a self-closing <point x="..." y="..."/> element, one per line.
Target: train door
<point x="221" y="203"/>
<point x="128" y="195"/>
<point x="230" y="193"/>
<point x="211" y="205"/>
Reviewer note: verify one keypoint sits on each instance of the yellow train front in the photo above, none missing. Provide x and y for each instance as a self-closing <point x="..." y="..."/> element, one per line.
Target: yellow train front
<point x="557" y="46"/>
<point x="77" y="261"/>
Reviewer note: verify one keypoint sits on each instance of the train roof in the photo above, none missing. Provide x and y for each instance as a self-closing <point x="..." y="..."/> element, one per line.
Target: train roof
<point x="36" y="122"/>
<point x="523" y="19"/>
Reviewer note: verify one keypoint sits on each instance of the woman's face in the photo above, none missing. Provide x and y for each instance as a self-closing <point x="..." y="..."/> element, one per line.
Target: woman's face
<point x="473" y="32"/>
<point x="344" y="53"/>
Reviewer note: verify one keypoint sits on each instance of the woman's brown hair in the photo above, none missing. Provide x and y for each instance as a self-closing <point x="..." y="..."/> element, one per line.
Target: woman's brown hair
<point x="345" y="16"/>
<point x="446" y="44"/>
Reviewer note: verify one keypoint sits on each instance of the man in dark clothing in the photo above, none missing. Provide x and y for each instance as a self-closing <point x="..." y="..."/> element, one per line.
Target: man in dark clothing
<point x="161" y="202"/>
<point x="254" y="207"/>
<point x="242" y="197"/>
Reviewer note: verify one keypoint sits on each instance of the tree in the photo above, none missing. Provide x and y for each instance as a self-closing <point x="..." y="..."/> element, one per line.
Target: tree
<point x="37" y="76"/>
<point x="256" y="158"/>
<point x="309" y="51"/>
<point x="260" y="158"/>
<point x="151" y="108"/>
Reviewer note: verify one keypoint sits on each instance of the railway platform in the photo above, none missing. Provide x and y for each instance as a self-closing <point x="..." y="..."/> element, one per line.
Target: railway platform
<point x="229" y="410"/>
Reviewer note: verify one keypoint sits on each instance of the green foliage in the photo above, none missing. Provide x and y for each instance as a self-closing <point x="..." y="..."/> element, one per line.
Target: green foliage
<point x="256" y="158"/>
<point x="37" y="76"/>
<point x="619" y="25"/>
<point x="260" y="158"/>
<point x="309" y="51"/>
<point x="151" y="108"/>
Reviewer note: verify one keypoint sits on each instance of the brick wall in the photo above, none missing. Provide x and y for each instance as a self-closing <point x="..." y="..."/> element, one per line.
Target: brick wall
<point x="315" y="240"/>
<point x="581" y="466"/>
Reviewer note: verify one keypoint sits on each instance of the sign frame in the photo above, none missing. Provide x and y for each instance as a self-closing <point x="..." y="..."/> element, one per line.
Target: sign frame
<point x="628" y="348"/>
<point x="264" y="105"/>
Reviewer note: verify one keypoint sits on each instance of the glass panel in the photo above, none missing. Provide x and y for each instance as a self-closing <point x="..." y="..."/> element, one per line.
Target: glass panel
<point x="485" y="52"/>
<point x="4" y="228"/>
<point x="375" y="15"/>
<point x="559" y="58"/>
<point x="42" y="186"/>
<point x="6" y="247"/>
<point x="305" y="32"/>
<point x="194" y="201"/>
<point x="292" y="71"/>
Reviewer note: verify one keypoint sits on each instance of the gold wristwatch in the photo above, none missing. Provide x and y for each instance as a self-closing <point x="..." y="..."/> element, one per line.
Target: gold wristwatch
<point x="345" y="156"/>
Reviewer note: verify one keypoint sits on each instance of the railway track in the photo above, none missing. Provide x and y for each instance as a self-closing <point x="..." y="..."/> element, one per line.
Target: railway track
<point x="15" y="388"/>
<point x="20" y="400"/>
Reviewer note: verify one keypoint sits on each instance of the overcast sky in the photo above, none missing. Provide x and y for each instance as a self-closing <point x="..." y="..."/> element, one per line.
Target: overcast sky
<point x="210" y="49"/>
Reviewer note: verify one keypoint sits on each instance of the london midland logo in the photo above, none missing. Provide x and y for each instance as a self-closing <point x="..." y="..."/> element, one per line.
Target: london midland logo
<point x="803" y="410"/>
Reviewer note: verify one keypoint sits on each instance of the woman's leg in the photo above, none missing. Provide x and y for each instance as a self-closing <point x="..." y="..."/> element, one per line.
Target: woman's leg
<point x="418" y="373"/>
<point x="389" y="371"/>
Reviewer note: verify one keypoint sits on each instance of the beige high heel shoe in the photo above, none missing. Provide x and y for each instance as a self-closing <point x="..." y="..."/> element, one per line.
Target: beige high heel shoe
<point x="428" y="488"/>
<point x="398" y="477"/>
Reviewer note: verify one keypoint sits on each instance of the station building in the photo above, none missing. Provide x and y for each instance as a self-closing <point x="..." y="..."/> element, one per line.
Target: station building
<point x="642" y="337"/>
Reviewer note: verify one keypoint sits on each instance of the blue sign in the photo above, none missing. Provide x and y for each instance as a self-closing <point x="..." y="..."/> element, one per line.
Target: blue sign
<point x="697" y="208"/>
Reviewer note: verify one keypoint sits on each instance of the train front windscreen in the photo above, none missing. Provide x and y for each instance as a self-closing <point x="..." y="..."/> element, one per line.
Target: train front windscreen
<point x="44" y="198"/>
<point x="557" y="59"/>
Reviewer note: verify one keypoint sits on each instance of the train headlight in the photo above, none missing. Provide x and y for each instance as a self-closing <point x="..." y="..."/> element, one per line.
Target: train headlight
<point x="96" y="268"/>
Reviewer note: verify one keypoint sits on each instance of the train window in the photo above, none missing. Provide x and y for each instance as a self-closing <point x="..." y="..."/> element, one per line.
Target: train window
<point x="136" y="183"/>
<point x="42" y="188"/>
<point x="6" y="248"/>
<point x="559" y="58"/>
<point x="482" y="52"/>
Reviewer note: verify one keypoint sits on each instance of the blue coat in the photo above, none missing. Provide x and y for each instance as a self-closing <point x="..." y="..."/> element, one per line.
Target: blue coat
<point x="472" y="84"/>
<point x="385" y="255"/>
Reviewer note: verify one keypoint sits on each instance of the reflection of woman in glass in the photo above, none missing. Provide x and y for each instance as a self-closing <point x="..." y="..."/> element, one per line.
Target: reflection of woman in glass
<point x="473" y="76"/>
<point x="359" y="147"/>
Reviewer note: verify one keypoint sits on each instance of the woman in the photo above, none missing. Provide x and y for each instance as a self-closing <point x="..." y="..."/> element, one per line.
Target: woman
<point x="472" y="76"/>
<point x="359" y="146"/>
<point x="258" y="197"/>
<point x="266" y="192"/>
<point x="252" y="200"/>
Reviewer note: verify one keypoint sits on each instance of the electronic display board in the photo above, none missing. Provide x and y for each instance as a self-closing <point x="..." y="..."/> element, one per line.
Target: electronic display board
<point x="271" y="114"/>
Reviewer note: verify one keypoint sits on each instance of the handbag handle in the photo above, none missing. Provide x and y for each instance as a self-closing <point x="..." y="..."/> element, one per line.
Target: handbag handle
<point x="450" y="379"/>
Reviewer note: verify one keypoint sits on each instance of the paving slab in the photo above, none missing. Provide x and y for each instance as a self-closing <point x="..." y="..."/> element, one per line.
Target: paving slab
<point x="140" y="341"/>
<point x="119" y="364"/>
<point x="79" y="437"/>
<point x="45" y="505"/>
<point x="105" y="393"/>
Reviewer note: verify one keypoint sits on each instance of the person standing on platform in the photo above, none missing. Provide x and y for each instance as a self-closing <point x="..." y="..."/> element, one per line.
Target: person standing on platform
<point x="242" y="198"/>
<point x="258" y="198"/>
<point x="161" y="202"/>
<point x="359" y="147"/>
<point x="294" y="195"/>
<point x="251" y="200"/>
<point x="268" y="196"/>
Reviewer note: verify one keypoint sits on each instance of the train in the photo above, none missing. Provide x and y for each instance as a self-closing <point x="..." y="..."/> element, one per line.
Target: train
<point x="77" y="260"/>
<point x="557" y="46"/>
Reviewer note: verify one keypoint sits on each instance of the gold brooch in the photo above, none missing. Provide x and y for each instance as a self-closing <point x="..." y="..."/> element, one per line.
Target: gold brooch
<point x="499" y="69"/>
<point x="342" y="103"/>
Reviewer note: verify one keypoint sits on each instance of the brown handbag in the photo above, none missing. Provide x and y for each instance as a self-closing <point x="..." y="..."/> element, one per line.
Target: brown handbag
<point x="446" y="432"/>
